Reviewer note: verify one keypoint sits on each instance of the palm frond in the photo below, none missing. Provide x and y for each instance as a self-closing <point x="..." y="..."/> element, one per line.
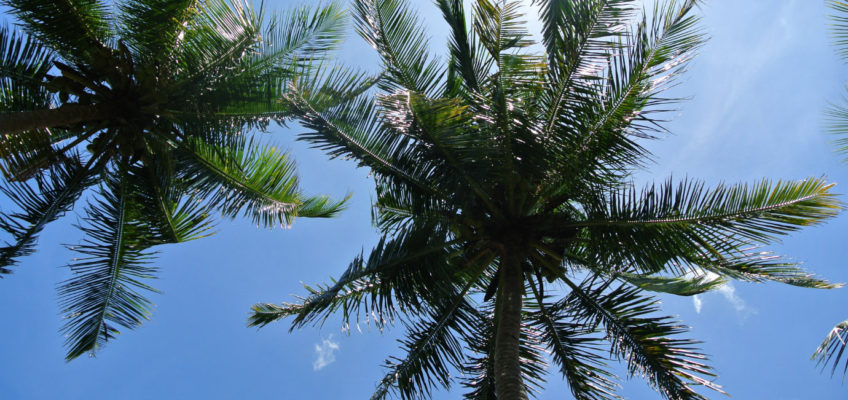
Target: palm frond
<point x="579" y="39"/>
<point x="839" y="26"/>
<point x="623" y="105"/>
<point x="24" y="64"/>
<point x="153" y="29"/>
<point x="646" y="344"/>
<point x="214" y="42"/>
<point x="575" y="348"/>
<point x="499" y="27"/>
<point x="291" y="46"/>
<point x="171" y="216"/>
<point x="354" y="129"/>
<point x="432" y="348"/>
<point x="833" y="348"/>
<point x="51" y="195"/>
<point x="402" y="272"/>
<point x="686" y="222"/>
<point x="237" y="175"/>
<point x="79" y="30"/>
<point x="104" y="293"/>
<point x="676" y="285"/>
<point x="393" y="28"/>
<point x="468" y="60"/>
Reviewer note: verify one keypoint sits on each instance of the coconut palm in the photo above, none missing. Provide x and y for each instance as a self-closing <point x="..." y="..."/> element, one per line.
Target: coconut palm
<point x="835" y="344"/>
<point x="147" y="104"/>
<point x="510" y="223"/>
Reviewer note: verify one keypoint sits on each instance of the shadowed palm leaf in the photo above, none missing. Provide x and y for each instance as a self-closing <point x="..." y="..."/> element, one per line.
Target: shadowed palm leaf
<point x="836" y="342"/>
<point x="509" y="224"/>
<point x="153" y="100"/>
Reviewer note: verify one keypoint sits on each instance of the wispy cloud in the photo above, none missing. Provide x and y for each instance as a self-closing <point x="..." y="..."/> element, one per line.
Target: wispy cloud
<point x="698" y="303"/>
<point x="325" y="353"/>
<point x="729" y="292"/>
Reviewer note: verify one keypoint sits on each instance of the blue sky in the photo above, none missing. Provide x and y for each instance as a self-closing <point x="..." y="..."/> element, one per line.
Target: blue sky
<point x="758" y="92"/>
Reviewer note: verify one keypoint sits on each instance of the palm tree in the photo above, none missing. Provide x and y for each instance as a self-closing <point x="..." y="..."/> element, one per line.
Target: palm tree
<point x="510" y="224"/>
<point x="149" y="104"/>
<point x="831" y="350"/>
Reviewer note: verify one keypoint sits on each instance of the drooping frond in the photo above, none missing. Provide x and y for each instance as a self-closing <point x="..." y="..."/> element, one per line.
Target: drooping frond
<point x="575" y="348"/>
<point x="833" y="348"/>
<point x="24" y="64"/>
<point x="676" y="285"/>
<point x="105" y="292"/>
<point x="647" y="344"/>
<point x="432" y="348"/>
<point x="402" y="272"/>
<point x="39" y="203"/>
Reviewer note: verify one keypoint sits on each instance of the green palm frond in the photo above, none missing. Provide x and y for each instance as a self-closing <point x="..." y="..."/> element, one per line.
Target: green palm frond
<point x="214" y="41"/>
<point x="105" y="292"/>
<point x="236" y="175"/>
<point x="24" y="64"/>
<point x="291" y="46"/>
<point x="160" y="95"/>
<point x="833" y="348"/>
<point x="687" y="223"/>
<point x="575" y="348"/>
<point x="647" y="344"/>
<point x="432" y="348"/>
<point x="354" y="129"/>
<point x="467" y="59"/>
<point x="77" y="29"/>
<point x="621" y="109"/>
<point x="393" y="28"/>
<point x="403" y="272"/>
<point x="39" y="203"/>
<point x="676" y="285"/>
<point x="839" y="26"/>
<point x="171" y="216"/>
<point x="155" y="28"/>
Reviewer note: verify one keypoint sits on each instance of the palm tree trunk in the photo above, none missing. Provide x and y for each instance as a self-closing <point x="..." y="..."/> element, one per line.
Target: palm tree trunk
<point x="68" y="114"/>
<point x="508" y="381"/>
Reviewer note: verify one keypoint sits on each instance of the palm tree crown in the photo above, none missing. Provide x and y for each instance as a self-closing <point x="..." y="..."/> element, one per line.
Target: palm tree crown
<point x="149" y="102"/>
<point x="510" y="226"/>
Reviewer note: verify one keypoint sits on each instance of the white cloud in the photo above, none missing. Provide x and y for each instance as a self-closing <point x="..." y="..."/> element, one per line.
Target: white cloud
<point x="698" y="303"/>
<point x="729" y="292"/>
<point x="325" y="353"/>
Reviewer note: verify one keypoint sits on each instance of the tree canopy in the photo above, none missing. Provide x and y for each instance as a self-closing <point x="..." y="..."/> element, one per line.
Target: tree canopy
<point x="144" y="108"/>
<point x="511" y="226"/>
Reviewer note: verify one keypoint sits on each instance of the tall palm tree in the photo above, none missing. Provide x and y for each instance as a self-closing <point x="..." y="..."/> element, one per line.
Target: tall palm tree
<point x="510" y="222"/>
<point x="148" y="103"/>
<point x="835" y="344"/>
